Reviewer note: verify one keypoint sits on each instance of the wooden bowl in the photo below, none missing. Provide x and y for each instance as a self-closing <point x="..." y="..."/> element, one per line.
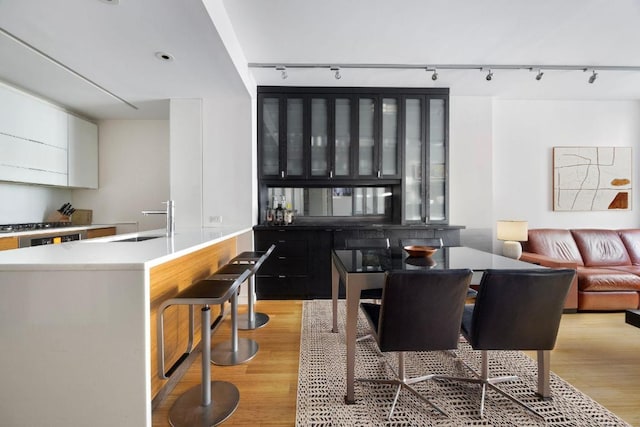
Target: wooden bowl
<point x="420" y="251"/>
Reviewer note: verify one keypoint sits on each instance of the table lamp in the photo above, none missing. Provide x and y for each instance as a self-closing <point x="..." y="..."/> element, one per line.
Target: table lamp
<point x="512" y="232"/>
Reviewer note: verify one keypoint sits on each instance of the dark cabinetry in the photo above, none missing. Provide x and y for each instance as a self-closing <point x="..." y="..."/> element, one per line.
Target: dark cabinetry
<point x="300" y="266"/>
<point x="297" y="268"/>
<point x="326" y="134"/>
<point x="358" y="137"/>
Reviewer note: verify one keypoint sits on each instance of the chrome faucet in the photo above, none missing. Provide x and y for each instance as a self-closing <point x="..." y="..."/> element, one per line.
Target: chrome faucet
<point x="170" y="213"/>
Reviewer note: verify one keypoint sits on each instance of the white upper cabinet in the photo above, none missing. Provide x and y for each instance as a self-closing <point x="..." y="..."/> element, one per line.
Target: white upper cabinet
<point x="42" y="144"/>
<point x="33" y="140"/>
<point x="83" y="153"/>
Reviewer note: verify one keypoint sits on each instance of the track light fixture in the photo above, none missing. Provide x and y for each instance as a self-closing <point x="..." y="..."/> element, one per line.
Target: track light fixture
<point x="489" y="75"/>
<point x="433" y="68"/>
<point x="283" y="72"/>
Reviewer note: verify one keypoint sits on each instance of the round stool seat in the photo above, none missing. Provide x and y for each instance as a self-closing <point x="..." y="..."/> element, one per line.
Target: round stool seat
<point x="229" y="272"/>
<point x="250" y="257"/>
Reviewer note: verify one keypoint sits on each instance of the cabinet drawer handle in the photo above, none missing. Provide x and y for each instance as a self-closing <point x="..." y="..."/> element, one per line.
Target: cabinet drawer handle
<point x="379" y="174"/>
<point x="281" y="174"/>
<point x="282" y="257"/>
<point x="281" y="276"/>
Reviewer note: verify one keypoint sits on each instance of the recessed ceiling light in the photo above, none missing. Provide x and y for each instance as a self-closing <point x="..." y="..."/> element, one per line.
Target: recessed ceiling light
<point x="164" y="56"/>
<point x="110" y="1"/>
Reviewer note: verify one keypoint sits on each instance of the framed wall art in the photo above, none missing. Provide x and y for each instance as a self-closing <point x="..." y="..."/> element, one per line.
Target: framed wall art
<point x="591" y="178"/>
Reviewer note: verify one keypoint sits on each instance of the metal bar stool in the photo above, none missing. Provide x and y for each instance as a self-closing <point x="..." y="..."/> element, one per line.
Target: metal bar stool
<point x="237" y="350"/>
<point x="252" y="319"/>
<point x="211" y="402"/>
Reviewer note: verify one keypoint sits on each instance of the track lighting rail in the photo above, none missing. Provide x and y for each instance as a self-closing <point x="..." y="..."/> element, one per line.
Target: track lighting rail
<point x="539" y="69"/>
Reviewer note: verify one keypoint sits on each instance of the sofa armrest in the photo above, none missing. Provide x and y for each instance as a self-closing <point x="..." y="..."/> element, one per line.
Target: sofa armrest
<point x="546" y="261"/>
<point x="571" y="303"/>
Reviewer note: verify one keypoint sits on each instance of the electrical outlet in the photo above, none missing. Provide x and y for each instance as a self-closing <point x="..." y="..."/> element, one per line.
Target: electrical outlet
<point x="215" y="219"/>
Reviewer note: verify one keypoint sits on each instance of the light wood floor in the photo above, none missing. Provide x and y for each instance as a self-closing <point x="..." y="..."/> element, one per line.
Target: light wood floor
<point x="596" y="352"/>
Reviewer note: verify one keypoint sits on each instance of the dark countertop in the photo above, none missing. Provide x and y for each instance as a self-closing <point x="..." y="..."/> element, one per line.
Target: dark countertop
<point x="357" y="226"/>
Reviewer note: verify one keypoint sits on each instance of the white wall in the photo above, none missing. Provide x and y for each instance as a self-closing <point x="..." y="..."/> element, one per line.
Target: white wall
<point x="186" y="162"/>
<point x="525" y="133"/>
<point x="229" y="171"/>
<point x="471" y="162"/>
<point x="29" y="203"/>
<point x="501" y="161"/>
<point x="133" y="174"/>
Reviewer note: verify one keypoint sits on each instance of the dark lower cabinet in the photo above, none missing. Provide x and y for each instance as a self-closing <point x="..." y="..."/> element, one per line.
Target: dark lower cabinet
<point x="300" y="266"/>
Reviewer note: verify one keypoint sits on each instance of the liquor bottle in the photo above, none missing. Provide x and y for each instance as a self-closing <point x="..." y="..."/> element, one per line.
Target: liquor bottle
<point x="279" y="214"/>
<point x="288" y="215"/>
<point x="269" y="215"/>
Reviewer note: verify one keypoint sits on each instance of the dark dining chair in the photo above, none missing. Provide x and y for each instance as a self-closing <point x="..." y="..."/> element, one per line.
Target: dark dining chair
<point x="515" y="310"/>
<point x="421" y="310"/>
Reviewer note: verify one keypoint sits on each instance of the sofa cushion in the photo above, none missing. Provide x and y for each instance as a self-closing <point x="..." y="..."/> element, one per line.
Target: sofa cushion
<point x="606" y="279"/>
<point x="601" y="248"/>
<point x="607" y="301"/>
<point x="554" y="243"/>
<point x="631" y="240"/>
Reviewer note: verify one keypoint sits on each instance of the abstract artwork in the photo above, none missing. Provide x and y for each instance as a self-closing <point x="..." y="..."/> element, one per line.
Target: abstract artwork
<point x="591" y="178"/>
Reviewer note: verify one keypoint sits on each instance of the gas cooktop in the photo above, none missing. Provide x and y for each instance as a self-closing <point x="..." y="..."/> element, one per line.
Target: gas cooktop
<point x="30" y="226"/>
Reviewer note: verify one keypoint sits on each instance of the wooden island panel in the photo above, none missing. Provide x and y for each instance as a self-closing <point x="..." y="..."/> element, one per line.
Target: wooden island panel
<point x="166" y="280"/>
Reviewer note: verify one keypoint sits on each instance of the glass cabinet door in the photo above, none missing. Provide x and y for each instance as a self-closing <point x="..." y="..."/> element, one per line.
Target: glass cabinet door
<point x="437" y="160"/>
<point x="271" y="136"/>
<point x="295" y="137"/>
<point x="342" y="156"/>
<point x="413" y="161"/>
<point x="389" y="141"/>
<point x="319" y="137"/>
<point x="366" y="137"/>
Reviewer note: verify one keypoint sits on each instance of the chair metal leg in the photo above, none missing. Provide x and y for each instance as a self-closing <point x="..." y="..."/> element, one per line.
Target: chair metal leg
<point x="403" y="382"/>
<point x="484" y="380"/>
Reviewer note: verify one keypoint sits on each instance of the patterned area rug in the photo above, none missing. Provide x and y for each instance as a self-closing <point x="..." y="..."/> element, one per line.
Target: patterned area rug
<point x="322" y="385"/>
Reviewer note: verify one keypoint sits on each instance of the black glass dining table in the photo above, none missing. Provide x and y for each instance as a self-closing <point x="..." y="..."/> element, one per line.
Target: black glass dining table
<point x="362" y="269"/>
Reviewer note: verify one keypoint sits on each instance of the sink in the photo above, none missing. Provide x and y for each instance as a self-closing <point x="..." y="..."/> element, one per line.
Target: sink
<point x="137" y="239"/>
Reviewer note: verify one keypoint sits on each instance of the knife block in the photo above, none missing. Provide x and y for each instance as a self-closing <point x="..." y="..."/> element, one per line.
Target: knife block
<point x="56" y="216"/>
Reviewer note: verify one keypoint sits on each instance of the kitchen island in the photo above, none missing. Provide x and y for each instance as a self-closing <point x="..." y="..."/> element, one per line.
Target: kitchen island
<point x="77" y="323"/>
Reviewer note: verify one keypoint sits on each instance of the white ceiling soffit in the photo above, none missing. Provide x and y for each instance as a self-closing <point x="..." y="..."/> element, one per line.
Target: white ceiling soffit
<point x="545" y="32"/>
<point x="114" y="46"/>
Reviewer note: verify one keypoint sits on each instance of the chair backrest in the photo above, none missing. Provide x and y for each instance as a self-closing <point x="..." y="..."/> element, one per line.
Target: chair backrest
<point x="434" y="242"/>
<point x="518" y="309"/>
<point x="421" y="310"/>
<point x="370" y="243"/>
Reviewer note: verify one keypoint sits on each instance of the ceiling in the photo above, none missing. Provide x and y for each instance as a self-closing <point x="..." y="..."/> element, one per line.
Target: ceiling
<point x="114" y="46"/>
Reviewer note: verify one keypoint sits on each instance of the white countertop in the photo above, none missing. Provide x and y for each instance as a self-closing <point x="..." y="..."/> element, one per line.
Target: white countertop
<point x="107" y="253"/>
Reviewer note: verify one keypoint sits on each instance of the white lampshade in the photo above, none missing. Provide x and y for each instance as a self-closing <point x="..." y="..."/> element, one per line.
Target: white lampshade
<point x="512" y="230"/>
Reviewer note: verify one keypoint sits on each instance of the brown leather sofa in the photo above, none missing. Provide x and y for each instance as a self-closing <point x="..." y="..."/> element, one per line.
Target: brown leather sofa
<point x="607" y="263"/>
